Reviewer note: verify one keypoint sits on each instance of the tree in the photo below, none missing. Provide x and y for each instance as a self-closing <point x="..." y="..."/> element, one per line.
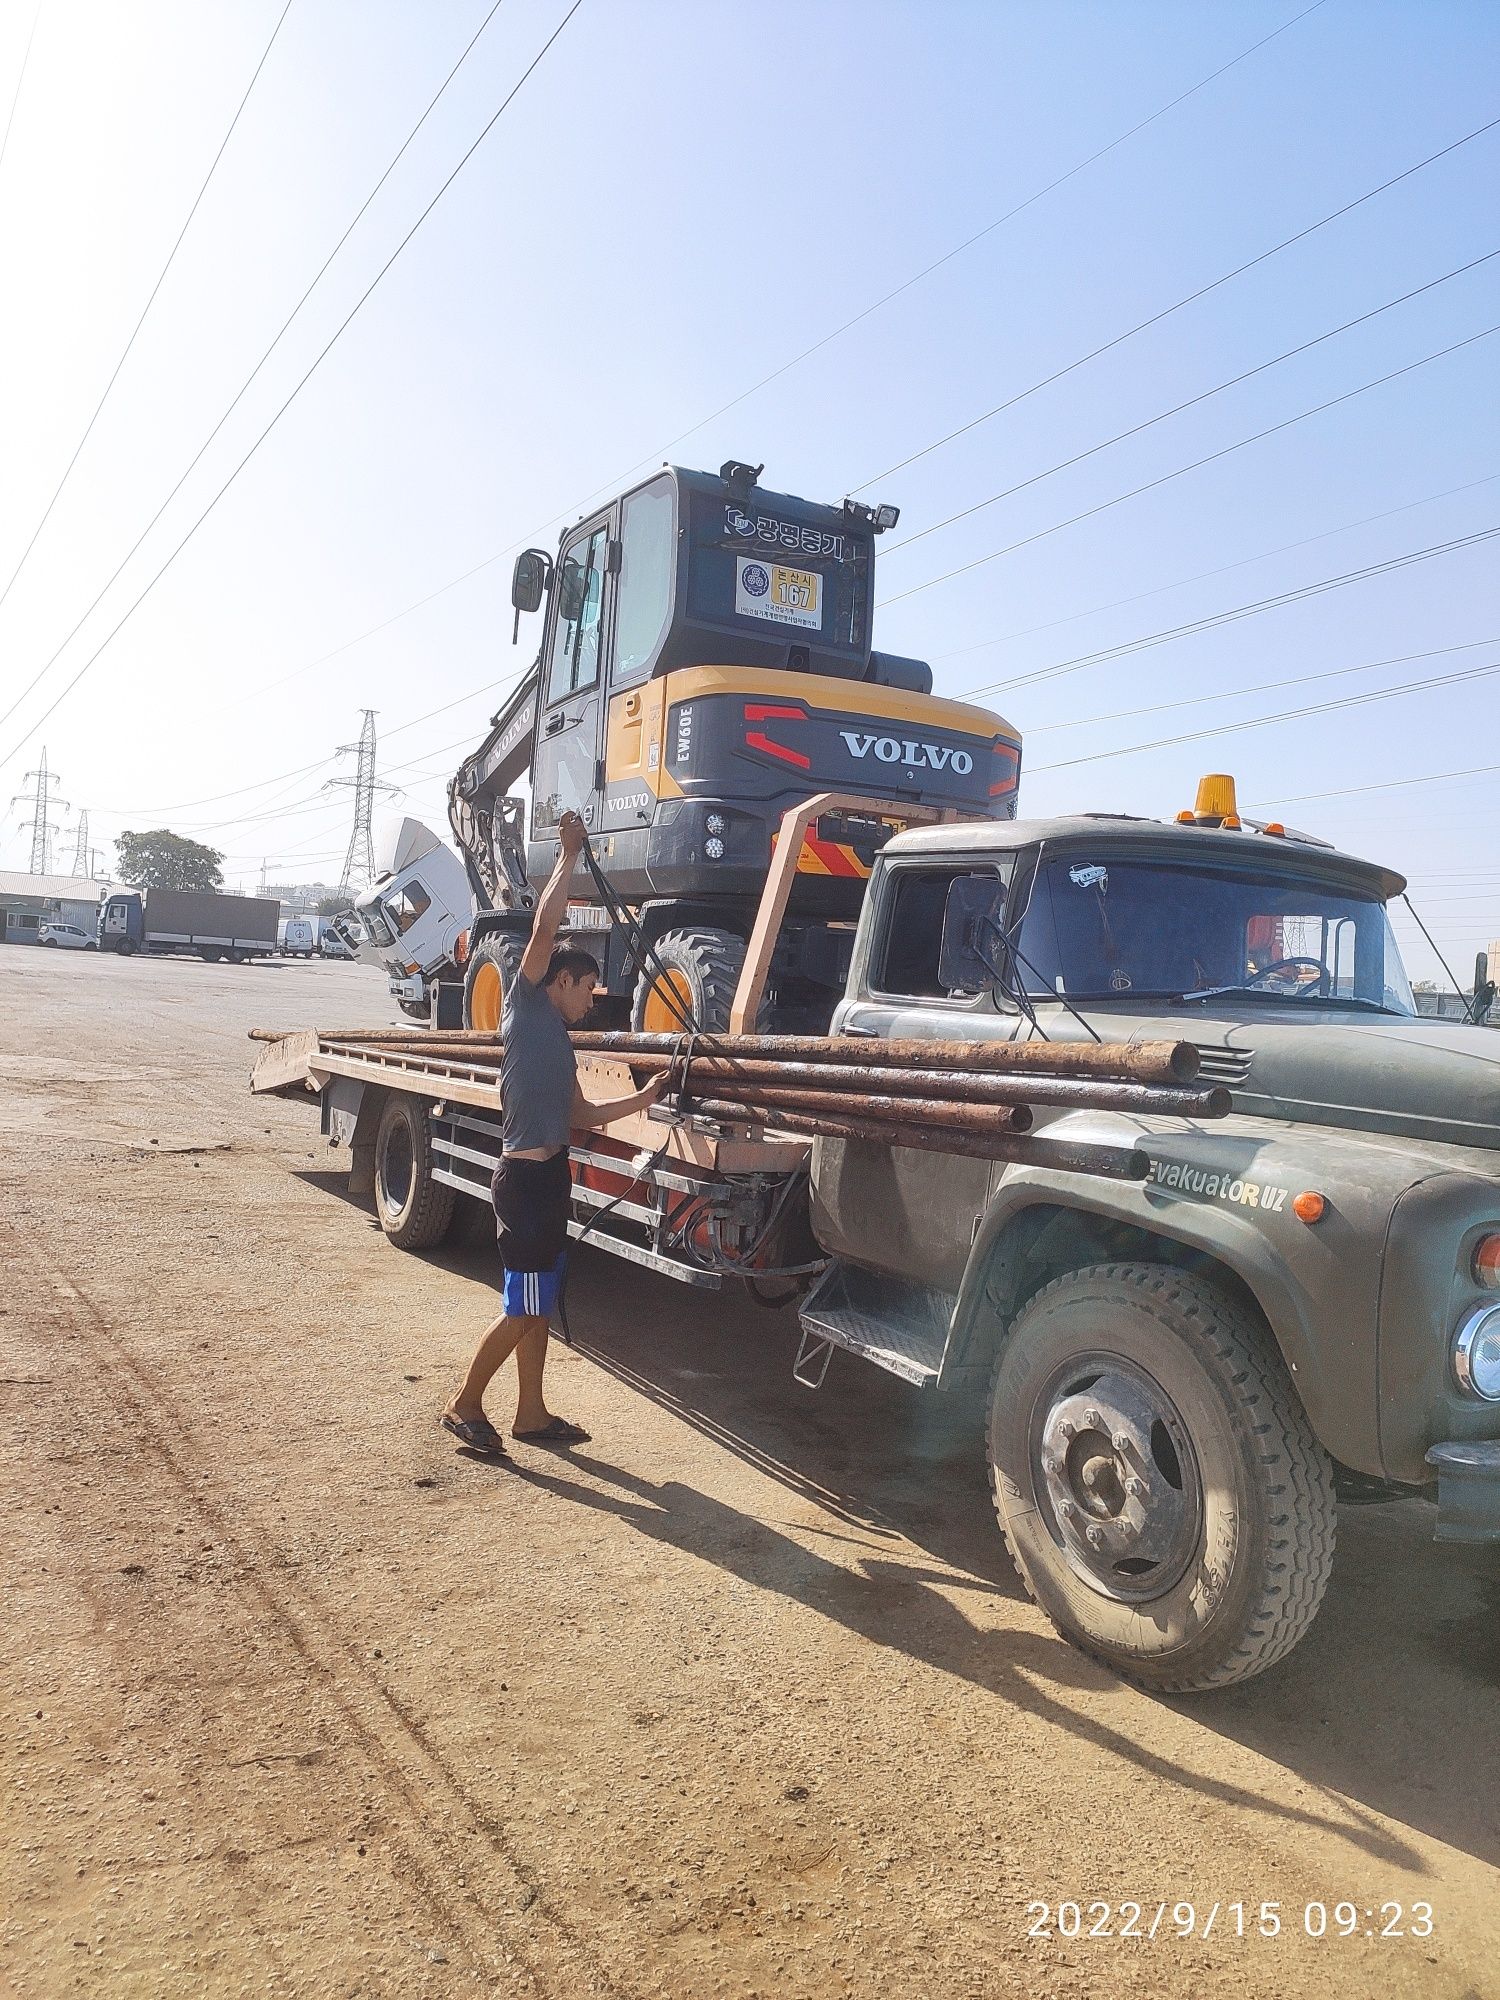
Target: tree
<point x="334" y="905"/>
<point x="163" y="860"/>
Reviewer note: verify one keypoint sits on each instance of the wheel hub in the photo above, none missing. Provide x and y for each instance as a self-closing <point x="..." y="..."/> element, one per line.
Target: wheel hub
<point x="1116" y="1470"/>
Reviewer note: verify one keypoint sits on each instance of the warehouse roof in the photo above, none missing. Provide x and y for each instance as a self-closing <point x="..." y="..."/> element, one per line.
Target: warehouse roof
<point x="53" y="888"/>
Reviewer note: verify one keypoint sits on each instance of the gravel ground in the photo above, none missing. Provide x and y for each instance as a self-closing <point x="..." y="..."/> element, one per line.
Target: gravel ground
<point x="741" y="1699"/>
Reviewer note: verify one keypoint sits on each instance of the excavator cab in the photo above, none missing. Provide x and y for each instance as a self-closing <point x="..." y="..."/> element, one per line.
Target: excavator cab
<point x="706" y="662"/>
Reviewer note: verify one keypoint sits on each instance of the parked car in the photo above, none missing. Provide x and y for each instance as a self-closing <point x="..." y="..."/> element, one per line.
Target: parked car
<point x="70" y="936"/>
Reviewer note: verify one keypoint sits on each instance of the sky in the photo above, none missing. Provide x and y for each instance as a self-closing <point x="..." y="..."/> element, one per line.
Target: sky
<point x="818" y="234"/>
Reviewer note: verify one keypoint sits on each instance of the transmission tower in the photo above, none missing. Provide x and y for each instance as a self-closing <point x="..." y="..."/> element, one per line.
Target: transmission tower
<point x="42" y="826"/>
<point x="81" y="844"/>
<point x="359" y="862"/>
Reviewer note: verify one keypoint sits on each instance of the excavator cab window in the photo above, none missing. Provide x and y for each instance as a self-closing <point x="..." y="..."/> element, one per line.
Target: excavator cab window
<point x="643" y="589"/>
<point x="580" y="604"/>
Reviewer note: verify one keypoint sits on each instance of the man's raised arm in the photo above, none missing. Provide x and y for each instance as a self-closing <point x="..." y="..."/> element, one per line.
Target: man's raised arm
<point x="553" y="906"/>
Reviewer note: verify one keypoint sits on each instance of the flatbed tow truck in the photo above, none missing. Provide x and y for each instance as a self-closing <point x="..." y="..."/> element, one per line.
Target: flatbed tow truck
<point x="1201" y="1321"/>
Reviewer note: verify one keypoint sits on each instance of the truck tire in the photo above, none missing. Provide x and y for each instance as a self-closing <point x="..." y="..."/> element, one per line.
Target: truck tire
<point x="414" y="1011"/>
<point x="414" y="1209"/>
<point x="703" y="970"/>
<point x="210" y="954"/>
<point x="1157" y="1481"/>
<point x="493" y="962"/>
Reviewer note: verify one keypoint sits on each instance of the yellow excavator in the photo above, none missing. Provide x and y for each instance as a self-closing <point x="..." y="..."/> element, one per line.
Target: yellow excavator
<point x="706" y="663"/>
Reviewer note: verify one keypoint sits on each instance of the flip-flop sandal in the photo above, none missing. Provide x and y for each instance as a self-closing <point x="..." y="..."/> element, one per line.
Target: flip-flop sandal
<point x="559" y="1431"/>
<point x="478" y="1433"/>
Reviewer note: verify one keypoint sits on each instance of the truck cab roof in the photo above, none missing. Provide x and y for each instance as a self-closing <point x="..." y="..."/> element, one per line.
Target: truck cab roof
<point x="1252" y="844"/>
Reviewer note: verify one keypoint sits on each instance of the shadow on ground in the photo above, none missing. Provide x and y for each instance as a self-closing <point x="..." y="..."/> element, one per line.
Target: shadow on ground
<point x="1408" y="1636"/>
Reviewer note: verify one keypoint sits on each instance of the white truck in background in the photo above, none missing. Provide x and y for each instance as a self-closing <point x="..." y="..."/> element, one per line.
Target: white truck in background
<point x="414" y="917"/>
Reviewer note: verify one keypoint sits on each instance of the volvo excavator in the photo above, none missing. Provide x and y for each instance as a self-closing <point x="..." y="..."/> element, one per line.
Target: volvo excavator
<point x="706" y="663"/>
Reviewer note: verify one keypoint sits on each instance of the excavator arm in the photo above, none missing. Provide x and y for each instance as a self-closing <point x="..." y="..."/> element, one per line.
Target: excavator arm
<point x="487" y="824"/>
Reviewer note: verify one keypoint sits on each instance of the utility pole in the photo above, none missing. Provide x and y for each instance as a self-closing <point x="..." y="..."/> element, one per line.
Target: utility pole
<point x="359" y="862"/>
<point x="41" y="801"/>
<point x="81" y="845"/>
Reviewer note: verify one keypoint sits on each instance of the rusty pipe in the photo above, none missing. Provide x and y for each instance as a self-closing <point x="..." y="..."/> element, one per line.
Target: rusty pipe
<point x="1137" y="1062"/>
<point x="944" y="1114"/>
<point x="1061" y="1155"/>
<point x="964" y="1086"/>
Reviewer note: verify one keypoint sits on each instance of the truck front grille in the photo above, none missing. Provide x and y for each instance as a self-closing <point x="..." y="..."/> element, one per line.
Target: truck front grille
<point x="1223" y="1065"/>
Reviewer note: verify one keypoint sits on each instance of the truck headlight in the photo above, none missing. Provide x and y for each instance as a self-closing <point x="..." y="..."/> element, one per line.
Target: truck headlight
<point x="1476" y="1354"/>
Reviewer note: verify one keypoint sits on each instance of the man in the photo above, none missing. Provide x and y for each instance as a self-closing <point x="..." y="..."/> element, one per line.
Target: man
<point x="541" y="1105"/>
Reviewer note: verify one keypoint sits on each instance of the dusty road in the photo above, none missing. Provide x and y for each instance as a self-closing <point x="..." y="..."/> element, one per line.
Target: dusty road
<point x="742" y="1699"/>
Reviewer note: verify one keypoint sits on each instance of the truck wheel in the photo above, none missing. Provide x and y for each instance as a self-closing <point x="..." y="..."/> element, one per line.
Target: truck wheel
<point x="700" y="970"/>
<point x="414" y="1209"/>
<point x="210" y="954"/>
<point x="414" y="1011"/>
<point x="492" y="963"/>
<point x="1158" y="1483"/>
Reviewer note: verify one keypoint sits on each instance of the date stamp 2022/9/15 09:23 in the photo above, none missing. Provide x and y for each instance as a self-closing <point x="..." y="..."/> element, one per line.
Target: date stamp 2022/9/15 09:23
<point x="1161" y="1920"/>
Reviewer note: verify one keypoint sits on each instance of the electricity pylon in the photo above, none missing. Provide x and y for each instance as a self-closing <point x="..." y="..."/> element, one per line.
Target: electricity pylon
<point x="81" y="844"/>
<point x="42" y="826"/>
<point x="359" y="862"/>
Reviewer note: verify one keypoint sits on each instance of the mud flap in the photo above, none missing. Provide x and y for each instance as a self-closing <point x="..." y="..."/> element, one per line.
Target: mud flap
<point x="1468" y="1495"/>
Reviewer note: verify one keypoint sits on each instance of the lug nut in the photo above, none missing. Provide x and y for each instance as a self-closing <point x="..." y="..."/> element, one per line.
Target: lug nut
<point x="1121" y="1441"/>
<point x="1066" y="1509"/>
<point x="1136" y="1488"/>
<point x="1067" y="1429"/>
<point x="1096" y="1538"/>
<point x="1093" y="1419"/>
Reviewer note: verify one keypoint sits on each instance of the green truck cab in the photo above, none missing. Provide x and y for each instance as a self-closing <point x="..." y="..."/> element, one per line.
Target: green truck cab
<point x="1302" y="1302"/>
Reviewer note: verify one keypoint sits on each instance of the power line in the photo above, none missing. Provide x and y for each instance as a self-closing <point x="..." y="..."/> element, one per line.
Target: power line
<point x="1286" y="715"/>
<point x="21" y="78"/>
<point x="1204" y="396"/>
<point x="249" y="379"/>
<point x="1167" y="311"/>
<point x="145" y="309"/>
<point x="265" y="812"/>
<point x="1235" y="613"/>
<point x="302" y="383"/>
<point x="651" y="458"/>
<point x="1196" y="464"/>
<point x="1387" y="785"/>
<point x="1255" y="687"/>
<point x="1224" y="569"/>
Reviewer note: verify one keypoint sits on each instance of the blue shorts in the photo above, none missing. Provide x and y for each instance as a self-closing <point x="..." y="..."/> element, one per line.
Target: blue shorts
<point x="531" y="1293"/>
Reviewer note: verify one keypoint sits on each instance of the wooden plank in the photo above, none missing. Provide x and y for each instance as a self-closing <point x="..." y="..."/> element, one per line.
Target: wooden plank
<point x="287" y="1066"/>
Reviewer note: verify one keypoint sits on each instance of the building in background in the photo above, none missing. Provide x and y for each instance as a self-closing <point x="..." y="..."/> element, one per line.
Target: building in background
<point x="26" y="899"/>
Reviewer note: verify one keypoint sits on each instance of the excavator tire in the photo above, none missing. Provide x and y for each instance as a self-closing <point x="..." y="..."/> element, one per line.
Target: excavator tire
<point x="493" y="962"/>
<point x="700" y="969"/>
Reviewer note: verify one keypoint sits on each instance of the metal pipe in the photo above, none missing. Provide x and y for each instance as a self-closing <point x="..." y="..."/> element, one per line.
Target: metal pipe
<point x="1136" y="1062"/>
<point x="943" y="1114"/>
<point x="965" y="1086"/>
<point x="1061" y="1155"/>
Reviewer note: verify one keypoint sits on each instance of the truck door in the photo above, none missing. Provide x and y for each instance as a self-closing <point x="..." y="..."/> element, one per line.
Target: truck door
<point x="891" y="1208"/>
<point x="565" y="768"/>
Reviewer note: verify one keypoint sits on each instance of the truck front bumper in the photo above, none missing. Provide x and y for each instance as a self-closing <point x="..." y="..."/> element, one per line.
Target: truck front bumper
<point x="1468" y="1494"/>
<point x="414" y="989"/>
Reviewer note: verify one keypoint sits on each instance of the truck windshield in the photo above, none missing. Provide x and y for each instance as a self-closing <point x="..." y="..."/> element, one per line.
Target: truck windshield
<point x="1098" y="927"/>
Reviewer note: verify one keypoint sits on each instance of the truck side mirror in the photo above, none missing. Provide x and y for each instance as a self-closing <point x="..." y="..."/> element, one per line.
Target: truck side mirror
<point x="530" y="581"/>
<point x="973" y="941"/>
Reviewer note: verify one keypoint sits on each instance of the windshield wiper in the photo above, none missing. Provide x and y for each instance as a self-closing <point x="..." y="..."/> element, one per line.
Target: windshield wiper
<point x="1298" y="999"/>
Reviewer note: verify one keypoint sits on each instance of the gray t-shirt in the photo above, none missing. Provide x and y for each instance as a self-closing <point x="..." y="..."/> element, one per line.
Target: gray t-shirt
<point x="538" y="1072"/>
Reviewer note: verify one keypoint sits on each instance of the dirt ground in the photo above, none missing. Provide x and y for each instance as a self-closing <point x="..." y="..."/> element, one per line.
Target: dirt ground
<point x="741" y="1699"/>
